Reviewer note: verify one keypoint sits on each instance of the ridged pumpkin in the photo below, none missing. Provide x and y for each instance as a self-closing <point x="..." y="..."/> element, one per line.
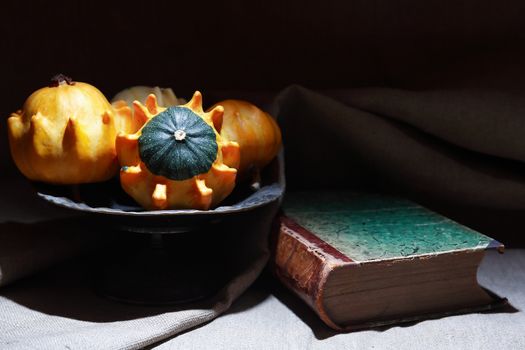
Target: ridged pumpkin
<point x="177" y="159"/>
<point x="256" y="132"/>
<point x="65" y="134"/>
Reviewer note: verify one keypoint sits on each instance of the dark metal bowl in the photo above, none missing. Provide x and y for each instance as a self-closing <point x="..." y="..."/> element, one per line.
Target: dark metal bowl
<point x="148" y="264"/>
<point x="107" y="201"/>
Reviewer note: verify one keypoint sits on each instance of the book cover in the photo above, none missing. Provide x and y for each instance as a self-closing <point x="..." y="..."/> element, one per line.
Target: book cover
<point x="415" y="262"/>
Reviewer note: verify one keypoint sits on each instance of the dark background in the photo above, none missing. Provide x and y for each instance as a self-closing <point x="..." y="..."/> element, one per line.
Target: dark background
<point x="257" y="46"/>
<point x="236" y="48"/>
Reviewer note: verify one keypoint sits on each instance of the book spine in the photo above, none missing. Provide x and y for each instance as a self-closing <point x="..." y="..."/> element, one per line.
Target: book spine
<point x="303" y="262"/>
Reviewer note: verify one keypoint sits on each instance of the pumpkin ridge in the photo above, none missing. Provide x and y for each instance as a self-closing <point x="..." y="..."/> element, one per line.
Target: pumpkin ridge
<point x="172" y="123"/>
<point x="164" y="128"/>
<point x="181" y="117"/>
<point x="172" y="167"/>
<point x="203" y="168"/>
<point x="199" y="136"/>
<point x="195" y="123"/>
<point x="184" y="164"/>
<point x="156" y="123"/>
<point x="157" y="155"/>
<point x="208" y="156"/>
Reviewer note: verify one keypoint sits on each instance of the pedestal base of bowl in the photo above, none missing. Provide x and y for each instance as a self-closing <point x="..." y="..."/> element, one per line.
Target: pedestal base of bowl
<point x="160" y="269"/>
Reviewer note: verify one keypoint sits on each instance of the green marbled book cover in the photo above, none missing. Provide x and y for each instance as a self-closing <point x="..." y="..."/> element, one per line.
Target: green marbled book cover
<point x="367" y="227"/>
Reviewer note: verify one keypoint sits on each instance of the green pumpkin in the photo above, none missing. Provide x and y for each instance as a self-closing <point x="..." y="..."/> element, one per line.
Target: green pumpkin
<point x="178" y="144"/>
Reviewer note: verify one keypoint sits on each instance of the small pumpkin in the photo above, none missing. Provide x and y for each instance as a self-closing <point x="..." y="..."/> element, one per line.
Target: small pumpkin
<point x="256" y="132"/>
<point x="65" y="134"/>
<point x="123" y="103"/>
<point x="177" y="159"/>
<point x="165" y="96"/>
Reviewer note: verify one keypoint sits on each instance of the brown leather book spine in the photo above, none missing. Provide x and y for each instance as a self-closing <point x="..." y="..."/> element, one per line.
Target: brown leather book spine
<point x="303" y="262"/>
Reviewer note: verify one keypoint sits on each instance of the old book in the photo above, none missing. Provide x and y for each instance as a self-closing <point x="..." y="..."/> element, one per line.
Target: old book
<point x="365" y="260"/>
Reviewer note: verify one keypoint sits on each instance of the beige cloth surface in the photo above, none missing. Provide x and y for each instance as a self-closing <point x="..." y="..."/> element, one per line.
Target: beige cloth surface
<point x="269" y="317"/>
<point x="58" y="310"/>
<point x="48" y="314"/>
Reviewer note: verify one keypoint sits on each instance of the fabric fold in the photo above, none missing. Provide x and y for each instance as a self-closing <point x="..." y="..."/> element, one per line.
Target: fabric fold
<point x="487" y="121"/>
<point x="331" y="144"/>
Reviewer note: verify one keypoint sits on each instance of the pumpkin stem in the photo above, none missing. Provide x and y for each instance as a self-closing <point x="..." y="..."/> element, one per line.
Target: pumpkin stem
<point x="61" y="79"/>
<point x="180" y="135"/>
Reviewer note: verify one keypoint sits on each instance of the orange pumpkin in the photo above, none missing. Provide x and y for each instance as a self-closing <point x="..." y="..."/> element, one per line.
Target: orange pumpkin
<point x="177" y="159"/>
<point x="256" y="132"/>
<point x="65" y="134"/>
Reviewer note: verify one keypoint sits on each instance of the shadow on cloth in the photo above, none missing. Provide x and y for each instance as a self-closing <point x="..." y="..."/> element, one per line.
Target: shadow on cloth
<point x="69" y="289"/>
<point x="26" y="248"/>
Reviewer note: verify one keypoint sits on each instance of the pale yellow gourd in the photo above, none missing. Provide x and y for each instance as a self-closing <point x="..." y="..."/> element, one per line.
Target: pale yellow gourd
<point x="165" y="96"/>
<point x="123" y="103"/>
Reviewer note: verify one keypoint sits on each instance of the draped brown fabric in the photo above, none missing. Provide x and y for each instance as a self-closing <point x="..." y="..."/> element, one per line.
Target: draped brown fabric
<point x="464" y="147"/>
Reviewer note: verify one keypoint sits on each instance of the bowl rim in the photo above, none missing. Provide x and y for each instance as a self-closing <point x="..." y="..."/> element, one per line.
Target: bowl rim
<point x="273" y="192"/>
